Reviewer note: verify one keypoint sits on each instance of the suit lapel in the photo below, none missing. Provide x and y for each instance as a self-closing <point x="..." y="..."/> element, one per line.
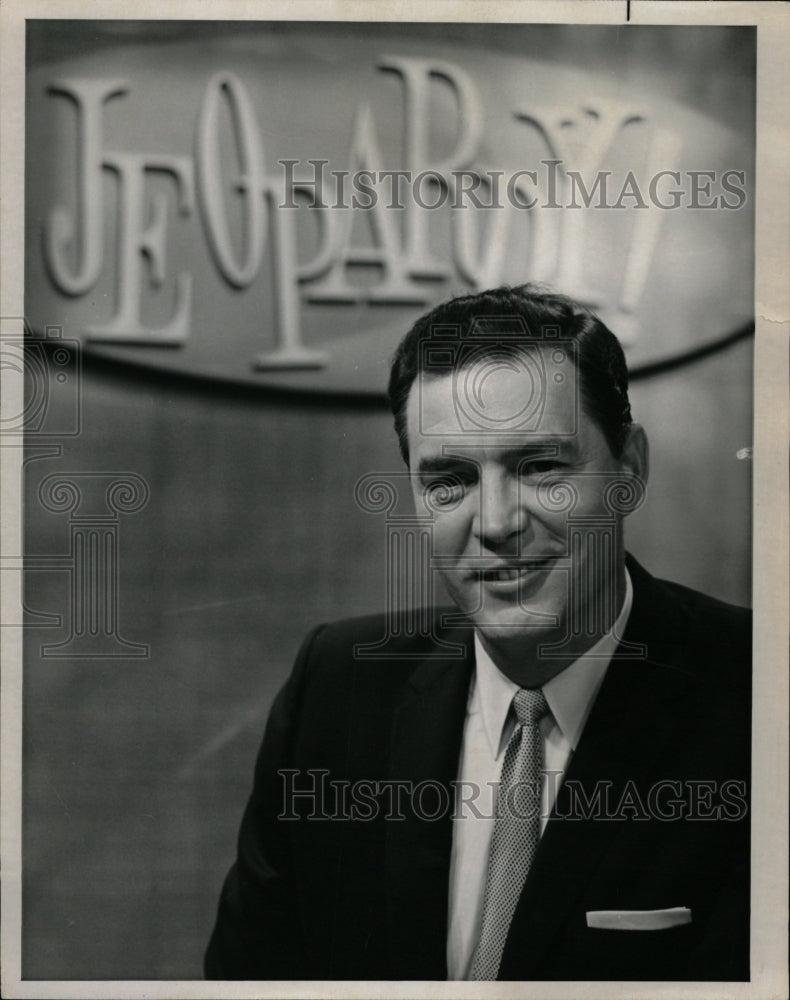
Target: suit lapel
<point x="635" y="713"/>
<point x="425" y="746"/>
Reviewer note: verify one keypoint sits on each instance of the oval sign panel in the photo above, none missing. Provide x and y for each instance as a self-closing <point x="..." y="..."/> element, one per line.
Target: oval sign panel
<point x="272" y="208"/>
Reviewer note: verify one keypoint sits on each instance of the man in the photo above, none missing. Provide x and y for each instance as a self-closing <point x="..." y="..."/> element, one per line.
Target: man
<point x="548" y="782"/>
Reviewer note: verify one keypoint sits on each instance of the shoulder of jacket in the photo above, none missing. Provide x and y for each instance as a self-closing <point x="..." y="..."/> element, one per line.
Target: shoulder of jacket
<point x="409" y="631"/>
<point x="710" y="611"/>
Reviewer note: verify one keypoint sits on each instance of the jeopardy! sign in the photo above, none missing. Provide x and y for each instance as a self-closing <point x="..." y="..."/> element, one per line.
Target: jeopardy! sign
<point x="270" y="209"/>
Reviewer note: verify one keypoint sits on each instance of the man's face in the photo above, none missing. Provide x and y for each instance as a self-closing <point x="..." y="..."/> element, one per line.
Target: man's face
<point x="523" y="536"/>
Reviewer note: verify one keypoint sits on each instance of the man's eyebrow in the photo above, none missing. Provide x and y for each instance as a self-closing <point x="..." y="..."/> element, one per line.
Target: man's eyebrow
<point x="442" y="463"/>
<point x="529" y="448"/>
<point x="543" y="446"/>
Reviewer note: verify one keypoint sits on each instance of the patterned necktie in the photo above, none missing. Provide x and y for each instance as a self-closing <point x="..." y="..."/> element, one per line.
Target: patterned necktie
<point x="516" y="831"/>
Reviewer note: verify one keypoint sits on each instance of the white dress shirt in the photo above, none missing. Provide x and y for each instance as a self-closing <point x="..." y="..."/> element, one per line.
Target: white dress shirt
<point x="487" y="731"/>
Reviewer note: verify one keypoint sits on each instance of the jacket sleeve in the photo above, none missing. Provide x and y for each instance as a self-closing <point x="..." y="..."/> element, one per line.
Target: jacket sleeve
<point x="257" y="934"/>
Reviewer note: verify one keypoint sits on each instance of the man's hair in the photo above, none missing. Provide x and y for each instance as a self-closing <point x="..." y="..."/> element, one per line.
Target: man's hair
<point x="476" y="319"/>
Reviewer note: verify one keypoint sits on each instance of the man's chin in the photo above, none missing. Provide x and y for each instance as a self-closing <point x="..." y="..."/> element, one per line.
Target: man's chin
<point x="515" y="625"/>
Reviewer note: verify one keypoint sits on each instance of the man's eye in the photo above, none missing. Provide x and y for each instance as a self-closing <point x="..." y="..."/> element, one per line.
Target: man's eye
<point x="540" y="467"/>
<point x="446" y="489"/>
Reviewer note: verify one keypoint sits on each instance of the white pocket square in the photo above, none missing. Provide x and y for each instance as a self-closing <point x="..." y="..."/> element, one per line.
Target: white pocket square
<point x="638" y="920"/>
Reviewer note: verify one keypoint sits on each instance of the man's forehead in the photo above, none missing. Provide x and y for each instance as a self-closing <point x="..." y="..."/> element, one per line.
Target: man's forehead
<point x="519" y="396"/>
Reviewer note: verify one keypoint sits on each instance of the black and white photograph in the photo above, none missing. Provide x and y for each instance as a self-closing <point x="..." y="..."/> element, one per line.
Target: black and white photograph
<point x="394" y="546"/>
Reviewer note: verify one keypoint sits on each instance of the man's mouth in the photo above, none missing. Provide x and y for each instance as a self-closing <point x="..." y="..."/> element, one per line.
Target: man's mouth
<point x="502" y="574"/>
<point x="513" y="572"/>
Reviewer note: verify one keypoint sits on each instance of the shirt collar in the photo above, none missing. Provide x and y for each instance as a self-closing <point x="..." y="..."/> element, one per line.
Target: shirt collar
<point x="570" y="695"/>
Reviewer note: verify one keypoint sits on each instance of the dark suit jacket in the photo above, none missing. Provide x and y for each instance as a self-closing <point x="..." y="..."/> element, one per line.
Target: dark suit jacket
<point x="317" y="897"/>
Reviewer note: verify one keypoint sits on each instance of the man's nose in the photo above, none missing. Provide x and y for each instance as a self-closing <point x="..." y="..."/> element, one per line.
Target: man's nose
<point x="501" y="515"/>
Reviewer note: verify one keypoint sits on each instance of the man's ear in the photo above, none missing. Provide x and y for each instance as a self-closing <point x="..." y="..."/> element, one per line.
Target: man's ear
<point x="636" y="453"/>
